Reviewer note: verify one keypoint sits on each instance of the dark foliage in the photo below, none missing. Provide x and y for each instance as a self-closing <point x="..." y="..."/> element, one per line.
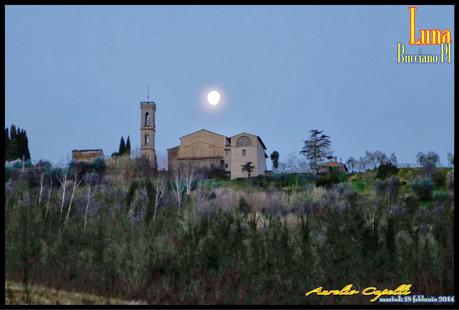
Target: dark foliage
<point x="327" y="180"/>
<point x="439" y="177"/>
<point x="386" y="170"/>
<point x="16" y="144"/>
<point x="423" y="188"/>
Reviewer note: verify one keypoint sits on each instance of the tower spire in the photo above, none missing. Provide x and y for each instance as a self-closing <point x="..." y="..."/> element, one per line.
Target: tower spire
<point x="148" y="93"/>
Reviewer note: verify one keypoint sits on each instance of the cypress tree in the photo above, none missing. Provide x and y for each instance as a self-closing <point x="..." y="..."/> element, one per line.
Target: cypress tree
<point x="26" y="146"/>
<point x="13" y="132"/>
<point x="20" y="143"/>
<point x="13" y="145"/>
<point x="128" y="146"/>
<point x="122" y="149"/>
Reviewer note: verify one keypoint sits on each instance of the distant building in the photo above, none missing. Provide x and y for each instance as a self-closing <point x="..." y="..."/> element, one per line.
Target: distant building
<point x="208" y="149"/>
<point x="147" y="131"/>
<point x="87" y="155"/>
<point x="333" y="166"/>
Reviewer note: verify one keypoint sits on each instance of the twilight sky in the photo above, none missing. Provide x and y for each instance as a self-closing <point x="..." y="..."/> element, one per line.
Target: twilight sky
<point x="75" y="76"/>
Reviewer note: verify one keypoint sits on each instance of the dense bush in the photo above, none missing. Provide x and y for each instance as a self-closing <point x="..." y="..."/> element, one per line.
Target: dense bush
<point x="328" y="180"/>
<point x="450" y="180"/>
<point x="217" y="173"/>
<point x="439" y="177"/>
<point x="386" y="170"/>
<point x="423" y="187"/>
<point x="82" y="168"/>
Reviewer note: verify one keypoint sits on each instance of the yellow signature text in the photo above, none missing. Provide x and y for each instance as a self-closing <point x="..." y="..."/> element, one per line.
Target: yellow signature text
<point x="348" y="290"/>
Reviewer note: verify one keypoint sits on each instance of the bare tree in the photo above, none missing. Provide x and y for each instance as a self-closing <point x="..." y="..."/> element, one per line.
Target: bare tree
<point x="159" y="184"/>
<point x="380" y="157"/>
<point x="371" y="159"/>
<point x="63" y="182"/>
<point x="351" y="163"/>
<point x="393" y="159"/>
<point x="76" y="183"/>
<point x="89" y="180"/>
<point x="428" y="162"/>
<point x="178" y="188"/>
<point x="49" y="196"/>
<point x="188" y="176"/>
<point x="362" y="164"/>
<point x="42" y="177"/>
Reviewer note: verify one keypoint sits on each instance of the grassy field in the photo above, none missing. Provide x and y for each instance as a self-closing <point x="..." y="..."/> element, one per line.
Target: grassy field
<point x="18" y="294"/>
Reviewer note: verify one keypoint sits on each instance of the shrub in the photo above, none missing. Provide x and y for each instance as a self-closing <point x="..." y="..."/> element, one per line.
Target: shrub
<point x="243" y="206"/>
<point x="439" y="177"/>
<point x="423" y="188"/>
<point x="411" y="203"/>
<point x="450" y="180"/>
<point x="327" y="181"/>
<point x="98" y="166"/>
<point x="440" y="196"/>
<point x="18" y="164"/>
<point x="358" y="185"/>
<point x="217" y="173"/>
<point x="386" y="169"/>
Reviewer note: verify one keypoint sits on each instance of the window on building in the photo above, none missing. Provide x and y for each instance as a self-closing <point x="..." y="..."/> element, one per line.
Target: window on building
<point x="243" y="152"/>
<point x="222" y="163"/>
<point x="243" y="141"/>
<point x="226" y="165"/>
<point x="147" y="139"/>
<point x="147" y="119"/>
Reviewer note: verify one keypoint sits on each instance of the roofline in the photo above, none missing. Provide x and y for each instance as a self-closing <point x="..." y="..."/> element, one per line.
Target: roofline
<point x="89" y="150"/>
<point x="202" y="130"/>
<point x="334" y="161"/>
<point x="174" y="147"/>
<point x="261" y="141"/>
<point x="244" y="133"/>
<point x="199" y="158"/>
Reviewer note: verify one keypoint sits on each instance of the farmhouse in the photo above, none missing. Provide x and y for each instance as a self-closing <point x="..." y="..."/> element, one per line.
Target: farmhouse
<point x="205" y="148"/>
<point x="87" y="155"/>
<point x="333" y="166"/>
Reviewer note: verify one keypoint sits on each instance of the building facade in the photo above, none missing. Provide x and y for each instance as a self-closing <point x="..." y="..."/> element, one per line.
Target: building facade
<point x="87" y="155"/>
<point x="208" y="149"/>
<point x="147" y="131"/>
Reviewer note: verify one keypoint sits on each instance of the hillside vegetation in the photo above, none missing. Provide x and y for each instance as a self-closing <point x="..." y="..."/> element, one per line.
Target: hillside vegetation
<point x="112" y="230"/>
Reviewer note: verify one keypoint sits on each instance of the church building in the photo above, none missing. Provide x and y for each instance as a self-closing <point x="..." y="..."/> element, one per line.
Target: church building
<point x="208" y="149"/>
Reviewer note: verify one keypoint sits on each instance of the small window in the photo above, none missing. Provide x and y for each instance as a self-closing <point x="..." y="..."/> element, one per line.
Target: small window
<point x="226" y="165"/>
<point x="147" y="139"/>
<point x="243" y="152"/>
<point x="222" y="163"/>
<point x="147" y="119"/>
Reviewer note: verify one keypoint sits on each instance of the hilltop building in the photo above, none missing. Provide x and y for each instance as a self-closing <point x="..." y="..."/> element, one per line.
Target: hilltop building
<point x="87" y="155"/>
<point x="333" y="166"/>
<point x="147" y="132"/>
<point x="205" y="148"/>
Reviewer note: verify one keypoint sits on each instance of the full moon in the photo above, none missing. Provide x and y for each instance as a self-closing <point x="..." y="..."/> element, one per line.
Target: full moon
<point x="213" y="97"/>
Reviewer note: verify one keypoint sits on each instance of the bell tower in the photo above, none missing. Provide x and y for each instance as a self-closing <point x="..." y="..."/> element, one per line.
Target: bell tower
<point x="147" y="131"/>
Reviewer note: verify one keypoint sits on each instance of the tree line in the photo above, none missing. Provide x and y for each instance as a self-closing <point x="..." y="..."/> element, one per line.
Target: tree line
<point x="16" y="144"/>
